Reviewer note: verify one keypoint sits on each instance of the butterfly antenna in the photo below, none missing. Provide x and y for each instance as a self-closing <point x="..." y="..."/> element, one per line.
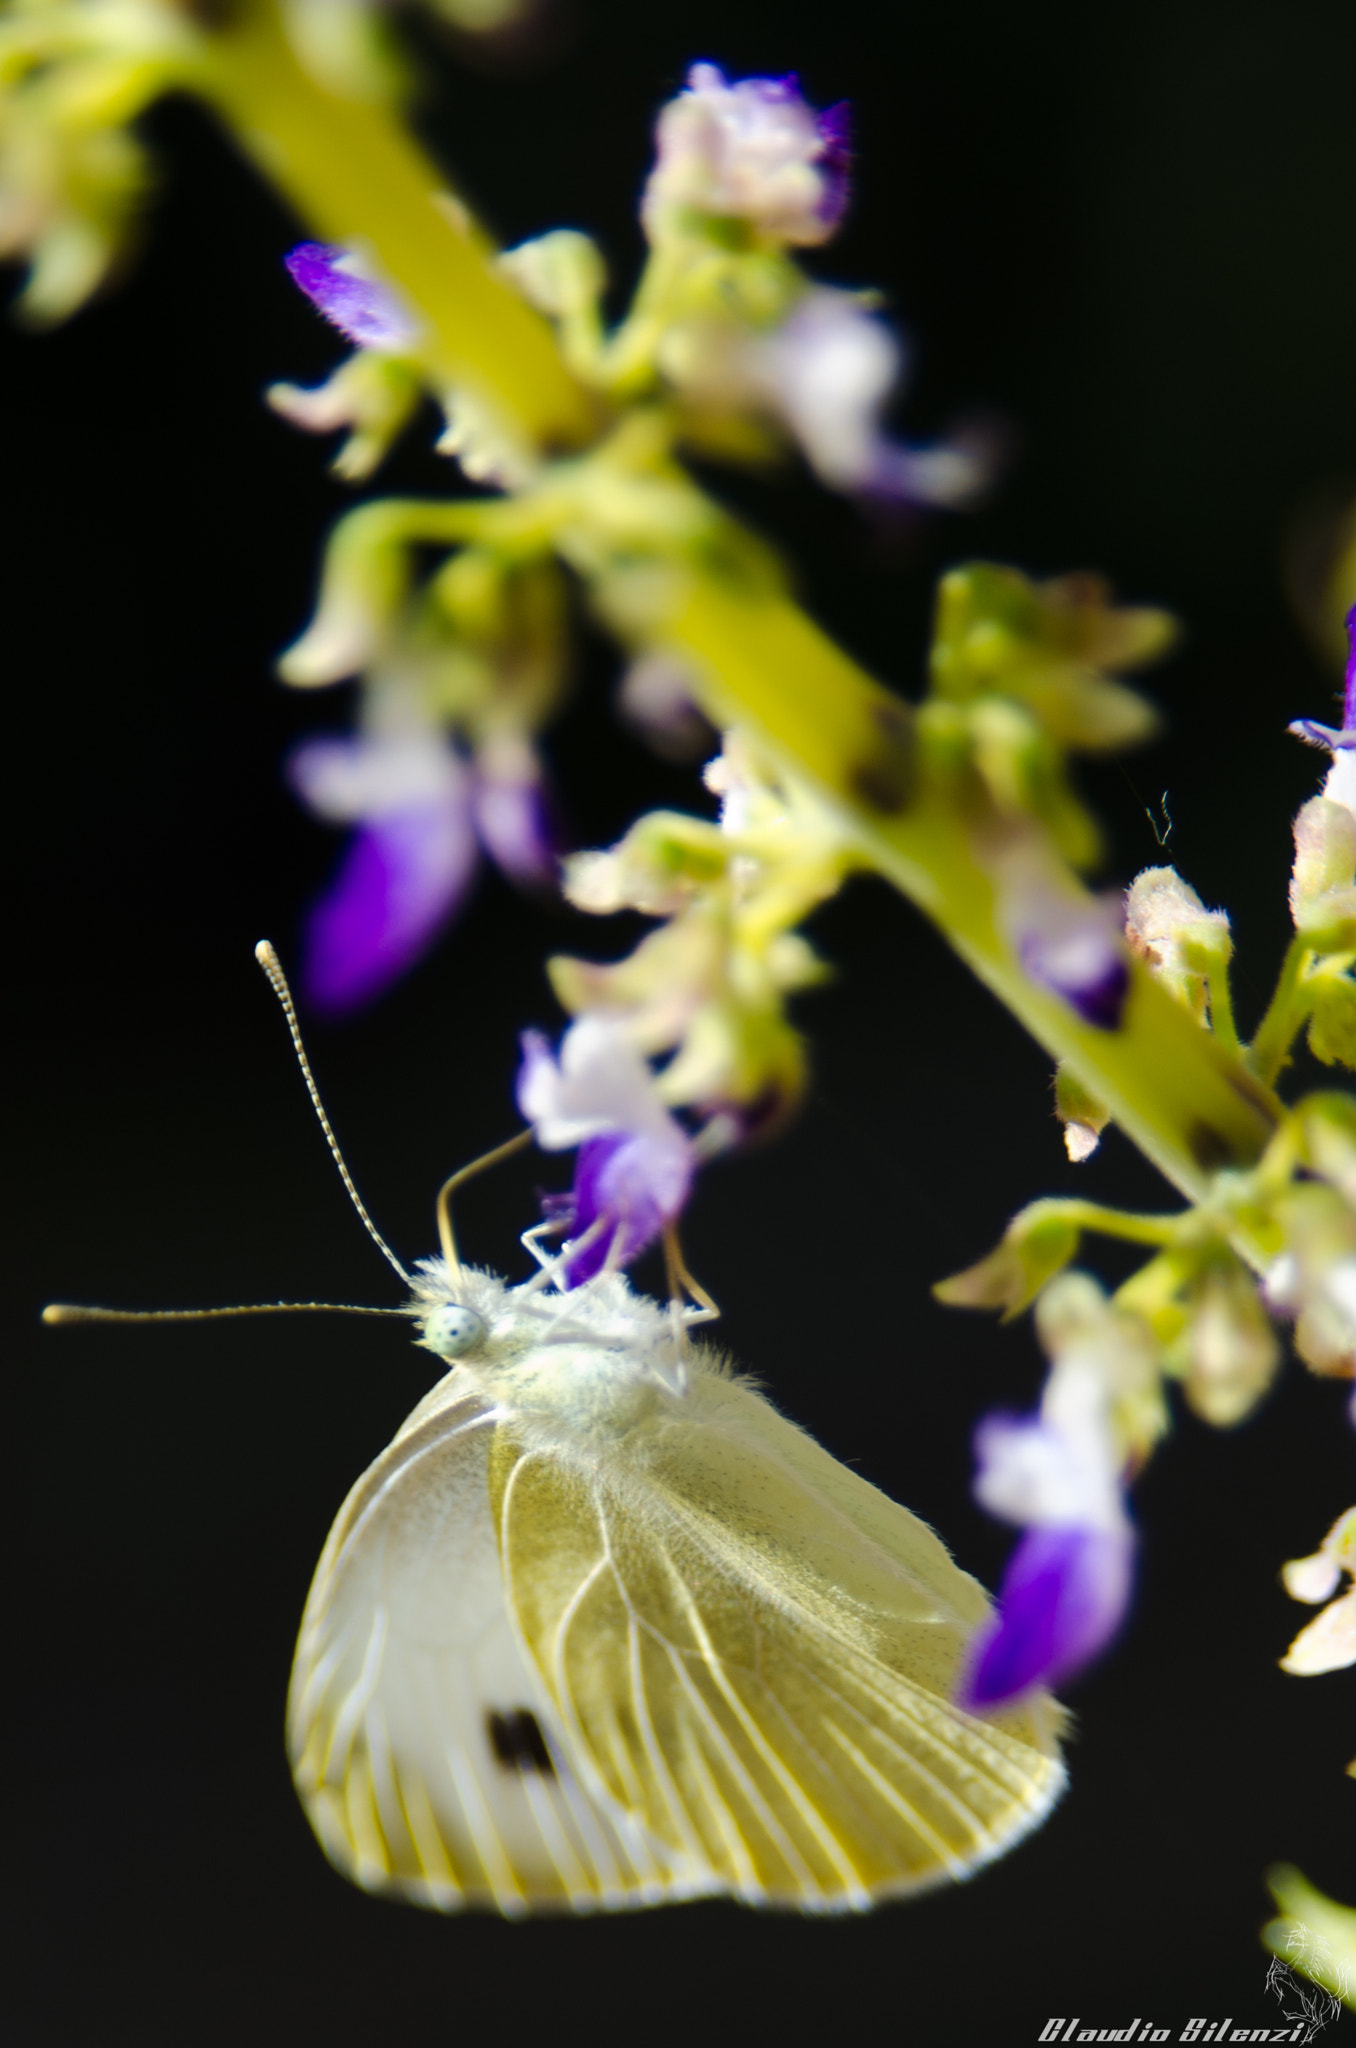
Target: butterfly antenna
<point x="272" y="967"/>
<point x="447" y="1237"/>
<point x="70" y="1312"/>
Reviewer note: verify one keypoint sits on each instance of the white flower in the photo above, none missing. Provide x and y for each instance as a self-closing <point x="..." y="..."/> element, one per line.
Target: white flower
<point x="753" y="151"/>
<point x="1329" y="1641"/>
<point x="635" y="1162"/>
<point x="1059" y="1469"/>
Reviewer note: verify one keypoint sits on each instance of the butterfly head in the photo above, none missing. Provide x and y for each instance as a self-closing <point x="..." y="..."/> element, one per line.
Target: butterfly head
<point x="450" y="1330"/>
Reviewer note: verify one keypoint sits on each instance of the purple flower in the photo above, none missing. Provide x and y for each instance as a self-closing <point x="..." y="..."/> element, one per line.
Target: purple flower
<point x="835" y="136"/>
<point x="635" y="1165"/>
<point x="1068" y="1583"/>
<point x="1063" y="1596"/>
<point x="825" y="374"/>
<point x="1081" y="962"/>
<point x="367" y="312"/>
<point x="399" y="883"/>
<point x="828" y="371"/>
<point x="419" y="807"/>
<point x="1065" y="940"/>
<point x="513" y="815"/>
<point x="754" y="151"/>
<point x="1340" y="786"/>
<point x="656" y="696"/>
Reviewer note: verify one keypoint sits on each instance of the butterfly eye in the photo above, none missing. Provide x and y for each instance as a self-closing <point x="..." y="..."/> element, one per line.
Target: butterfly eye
<point x="450" y="1330"/>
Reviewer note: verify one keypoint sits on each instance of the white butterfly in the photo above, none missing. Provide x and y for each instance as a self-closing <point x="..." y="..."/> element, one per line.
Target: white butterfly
<point x="586" y="1636"/>
<point x="600" y="1629"/>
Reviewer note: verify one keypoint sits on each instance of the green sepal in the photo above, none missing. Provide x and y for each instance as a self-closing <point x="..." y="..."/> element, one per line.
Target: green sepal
<point x="998" y="633"/>
<point x="1332" y="1024"/>
<point x="1036" y="1245"/>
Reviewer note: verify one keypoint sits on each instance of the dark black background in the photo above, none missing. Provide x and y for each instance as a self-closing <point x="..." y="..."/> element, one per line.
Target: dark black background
<point x="1128" y="230"/>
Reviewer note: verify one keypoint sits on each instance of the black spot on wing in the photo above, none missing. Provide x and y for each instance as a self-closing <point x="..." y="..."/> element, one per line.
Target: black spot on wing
<point x="518" y="1743"/>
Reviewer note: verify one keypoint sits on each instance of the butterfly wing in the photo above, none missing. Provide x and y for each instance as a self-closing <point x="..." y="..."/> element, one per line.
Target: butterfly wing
<point x="421" y="1742"/>
<point x="752" y="1651"/>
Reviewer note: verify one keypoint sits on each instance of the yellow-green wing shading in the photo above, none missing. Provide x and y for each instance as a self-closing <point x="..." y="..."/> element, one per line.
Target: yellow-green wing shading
<point x="423" y="1747"/>
<point x="751" y="1650"/>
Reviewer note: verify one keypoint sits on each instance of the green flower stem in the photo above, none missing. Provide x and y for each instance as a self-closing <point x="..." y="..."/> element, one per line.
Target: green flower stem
<point x="1188" y="1103"/>
<point x="1135" y="1229"/>
<point x="353" y="175"/>
<point x="1285" y="1014"/>
<point x="1217" y="955"/>
<point x="1222" y="1010"/>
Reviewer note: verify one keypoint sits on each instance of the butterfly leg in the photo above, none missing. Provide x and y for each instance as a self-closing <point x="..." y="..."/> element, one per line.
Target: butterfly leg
<point x="682" y="1282"/>
<point x="553" y="1267"/>
<point x="530" y="1242"/>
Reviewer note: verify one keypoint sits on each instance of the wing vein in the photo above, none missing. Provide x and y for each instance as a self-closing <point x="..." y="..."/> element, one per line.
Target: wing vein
<point x="810" y="1815"/>
<point x="771" y="1825"/>
<point x="894" y="1798"/>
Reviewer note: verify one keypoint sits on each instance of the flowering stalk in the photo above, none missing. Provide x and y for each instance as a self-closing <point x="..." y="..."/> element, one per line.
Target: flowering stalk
<point x="696" y="586"/>
<point x="353" y="173"/>
<point x="1199" y="1315"/>
<point x="963" y="800"/>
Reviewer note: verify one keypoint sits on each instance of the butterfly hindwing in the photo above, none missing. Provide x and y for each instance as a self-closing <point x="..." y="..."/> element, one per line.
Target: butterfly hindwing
<point x="421" y="1740"/>
<point x="751" y="1651"/>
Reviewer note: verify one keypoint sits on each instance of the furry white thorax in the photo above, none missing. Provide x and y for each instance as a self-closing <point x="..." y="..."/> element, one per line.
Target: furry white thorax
<point x="595" y="1360"/>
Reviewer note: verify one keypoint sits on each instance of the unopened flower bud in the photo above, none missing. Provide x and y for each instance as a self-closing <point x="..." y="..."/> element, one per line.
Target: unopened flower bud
<point x="1327" y="1134"/>
<point x="373" y="395"/>
<point x="1182" y="942"/>
<point x="561" y="273"/>
<point x="1325" y="853"/>
<point x="1036" y="1245"/>
<point x="1332" y="1019"/>
<point x="1048" y="644"/>
<point x="365" y="582"/>
<point x="1329" y="1642"/>
<point x="1315" y="1278"/>
<point x="656" y="868"/>
<point x="1229" y="1345"/>
<point x="1084" y="1118"/>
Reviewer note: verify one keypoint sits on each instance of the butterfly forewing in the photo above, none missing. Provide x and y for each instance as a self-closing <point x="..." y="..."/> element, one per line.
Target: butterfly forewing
<point x="751" y="1650"/>
<point x="421" y="1740"/>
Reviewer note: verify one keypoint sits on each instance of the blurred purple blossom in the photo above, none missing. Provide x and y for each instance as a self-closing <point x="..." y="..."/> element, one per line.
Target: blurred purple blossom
<point x="1340" y="786"/>
<point x="657" y="696"/>
<point x="514" y="818"/>
<point x="828" y="372"/>
<point x="635" y="1162"/>
<point x="1068" y="942"/>
<point x="420" y="809"/>
<point x="1068" y="1582"/>
<point x="753" y="151"/>
<point x="367" y="312"/>
<point x="1079" y="960"/>
<point x="1062" y="1599"/>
